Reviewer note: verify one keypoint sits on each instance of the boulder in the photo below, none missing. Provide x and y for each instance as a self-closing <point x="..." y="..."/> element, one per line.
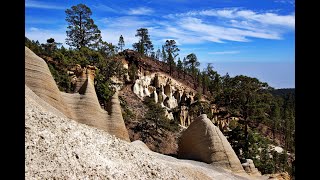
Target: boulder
<point x="203" y="141"/>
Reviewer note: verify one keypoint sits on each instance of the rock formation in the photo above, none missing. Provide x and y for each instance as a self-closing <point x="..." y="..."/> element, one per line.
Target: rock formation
<point x="249" y="167"/>
<point x="203" y="141"/>
<point x="166" y="91"/>
<point x="83" y="105"/>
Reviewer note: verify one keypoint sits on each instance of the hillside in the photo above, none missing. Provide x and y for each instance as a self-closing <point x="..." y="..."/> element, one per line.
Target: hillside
<point x="284" y="92"/>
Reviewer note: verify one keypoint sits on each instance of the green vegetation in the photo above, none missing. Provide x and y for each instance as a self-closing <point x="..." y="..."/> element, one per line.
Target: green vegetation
<point x="172" y="52"/>
<point x="144" y="46"/>
<point x="156" y="114"/>
<point x="121" y="43"/>
<point x="61" y="77"/>
<point x="127" y="114"/>
<point x="192" y="63"/>
<point x="266" y="160"/>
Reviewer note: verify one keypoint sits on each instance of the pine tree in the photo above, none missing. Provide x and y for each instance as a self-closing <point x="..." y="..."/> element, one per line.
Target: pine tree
<point x="121" y="43"/>
<point x="164" y="55"/>
<point x="275" y="117"/>
<point x="172" y="50"/>
<point x="82" y="30"/>
<point x="158" y="54"/>
<point x="179" y="66"/>
<point x="245" y="97"/>
<point x="193" y="63"/>
<point x="184" y="64"/>
<point x="144" y="45"/>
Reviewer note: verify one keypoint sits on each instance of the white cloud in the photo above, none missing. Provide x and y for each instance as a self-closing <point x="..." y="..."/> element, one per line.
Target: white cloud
<point x="105" y="8"/>
<point x="219" y="33"/>
<point x="266" y="18"/>
<point x="176" y="33"/>
<point x="34" y="29"/>
<point x="232" y="24"/>
<point x="186" y="30"/>
<point x="292" y="2"/>
<point x="224" y="52"/>
<point x="140" y="11"/>
<point x="42" y="5"/>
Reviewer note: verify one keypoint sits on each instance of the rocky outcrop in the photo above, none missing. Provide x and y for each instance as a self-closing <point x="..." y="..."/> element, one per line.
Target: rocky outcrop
<point x="249" y="167"/>
<point x="165" y="91"/>
<point x="184" y="118"/>
<point x="83" y="105"/>
<point x="204" y="142"/>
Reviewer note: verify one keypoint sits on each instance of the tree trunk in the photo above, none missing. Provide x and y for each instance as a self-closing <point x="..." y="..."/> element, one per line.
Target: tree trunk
<point x="81" y="34"/>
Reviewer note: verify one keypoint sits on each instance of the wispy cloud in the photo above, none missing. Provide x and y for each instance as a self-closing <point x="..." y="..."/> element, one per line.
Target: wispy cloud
<point x="106" y="8"/>
<point x="187" y="30"/>
<point x="140" y="11"/>
<point x="129" y="21"/>
<point x="32" y="20"/>
<point x="217" y="33"/>
<point x="232" y="24"/>
<point x="42" y="5"/>
<point x="224" y="52"/>
<point x="265" y="18"/>
<point x="292" y="2"/>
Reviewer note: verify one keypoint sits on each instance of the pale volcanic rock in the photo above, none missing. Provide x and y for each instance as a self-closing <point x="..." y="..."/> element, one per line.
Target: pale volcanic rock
<point x="203" y="141"/>
<point x="250" y="168"/>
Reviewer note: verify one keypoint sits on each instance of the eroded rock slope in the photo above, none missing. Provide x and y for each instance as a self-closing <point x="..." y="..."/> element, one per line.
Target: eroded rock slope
<point x="60" y="148"/>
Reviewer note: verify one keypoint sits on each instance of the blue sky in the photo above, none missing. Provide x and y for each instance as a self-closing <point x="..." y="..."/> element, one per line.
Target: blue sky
<point x="249" y="37"/>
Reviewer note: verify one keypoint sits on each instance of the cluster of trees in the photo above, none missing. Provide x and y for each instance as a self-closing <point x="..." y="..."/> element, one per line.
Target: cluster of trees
<point x="244" y="97"/>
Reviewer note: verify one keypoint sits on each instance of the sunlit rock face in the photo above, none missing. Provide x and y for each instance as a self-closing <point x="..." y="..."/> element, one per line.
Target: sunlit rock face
<point x="203" y="141"/>
<point x="168" y="92"/>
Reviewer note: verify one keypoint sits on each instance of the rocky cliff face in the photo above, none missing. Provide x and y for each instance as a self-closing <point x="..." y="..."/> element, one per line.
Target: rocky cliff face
<point x="166" y="91"/>
<point x="82" y="105"/>
<point x="175" y="92"/>
<point x="174" y="95"/>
